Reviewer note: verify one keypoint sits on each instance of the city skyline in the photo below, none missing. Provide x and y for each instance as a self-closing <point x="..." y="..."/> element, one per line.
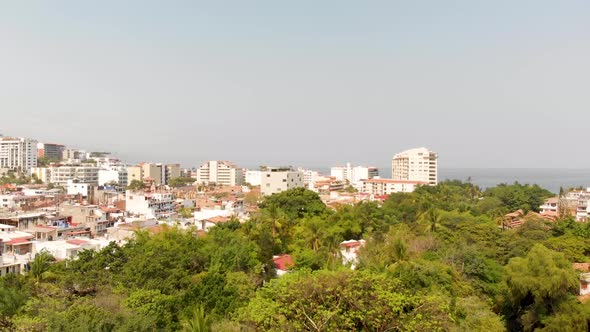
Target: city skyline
<point x="484" y="84"/>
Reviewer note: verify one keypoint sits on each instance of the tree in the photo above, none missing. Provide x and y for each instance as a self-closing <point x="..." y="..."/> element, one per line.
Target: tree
<point x="135" y="185"/>
<point x="537" y="286"/>
<point x="431" y="220"/>
<point x="180" y="182"/>
<point x="41" y="264"/>
<point x="197" y="322"/>
<point x="296" y="203"/>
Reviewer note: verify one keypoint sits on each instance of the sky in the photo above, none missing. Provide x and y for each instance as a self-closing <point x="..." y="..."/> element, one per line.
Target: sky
<point x="499" y="83"/>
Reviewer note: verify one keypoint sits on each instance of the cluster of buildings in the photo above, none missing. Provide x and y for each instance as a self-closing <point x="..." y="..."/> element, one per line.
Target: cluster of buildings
<point x="83" y="200"/>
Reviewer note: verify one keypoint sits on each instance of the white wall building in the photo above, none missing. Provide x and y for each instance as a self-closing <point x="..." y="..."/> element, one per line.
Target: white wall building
<point x="389" y="186"/>
<point x="62" y="174"/>
<point x="220" y="173"/>
<point x="418" y="164"/>
<point x="18" y="154"/>
<point x="253" y="177"/>
<point x="150" y="205"/>
<point x="355" y="174"/>
<point x="74" y="187"/>
<point x="349" y="252"/>
<point x="117" y="174"/>
<point x="277" y="179"/>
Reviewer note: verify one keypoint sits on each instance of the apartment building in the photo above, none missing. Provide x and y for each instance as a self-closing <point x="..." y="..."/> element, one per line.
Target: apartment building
<point x="50" y="151"/>
<point x="220" y="172"/>
<point x="159" y="173"/>
<point x="60" y="175"/>
<point x="277" y="179"/>
<point x="388" y="186"/>
<point x="134" y="173"/>
<point x="354" y="174"/>
<point x="18" y="154"/>
<point x="418" y="164"/>
<point x="150" y="205"/>
<point x="114" y="174"/>
<point x="253" y="177"/>
<point x="74" y="155"/>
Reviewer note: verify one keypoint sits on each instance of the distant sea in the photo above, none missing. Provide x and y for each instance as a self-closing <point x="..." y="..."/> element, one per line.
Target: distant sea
<point x="548" y="178"/>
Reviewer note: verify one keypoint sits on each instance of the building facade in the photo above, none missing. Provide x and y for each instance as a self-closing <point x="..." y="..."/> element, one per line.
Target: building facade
<point x="355" y="174"/>
<point x="60" y="175"/>
<point x="50" y="151"/>
<point x="388" y="186"/>
<point x="150" y="205"/>
<point x="277" y="179"/>
<point x="418" y="164"/>
<point x="218" y="172"/>
<point x="253" y="177"/>
<point x="18" y="154"/>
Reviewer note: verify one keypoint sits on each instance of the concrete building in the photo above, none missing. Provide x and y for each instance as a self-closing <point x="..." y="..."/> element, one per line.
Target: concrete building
<point x="171" y="171"/>
<point x="218" y="172"/>
<point x="253" y="177"/>
<point x="159" y="173"/>
<point x="116" y="175"/>
<point x="355" y="174"/>
<point x="388" y="186"/>
<point x="349" y="252"/>
<point x="309" y="177"/>
<point x="134" y="173"/>
<point x="150" y="205"/>
<point x="18" y="154"/>
<point x="75" y="187"/>
<point x="74" y="155"/>
<point x="418" y="164"/>
<point x="60" y="175"/>
<point x="50" y="151"/>
<point x="277" y="179"/>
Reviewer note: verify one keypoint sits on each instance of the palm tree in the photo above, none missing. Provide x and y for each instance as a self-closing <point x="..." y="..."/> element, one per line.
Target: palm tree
<point x="41" y="264"/>
<point x="431" y="219"/>
<point x="197" y="322"/>
<point x="500" y="218"/>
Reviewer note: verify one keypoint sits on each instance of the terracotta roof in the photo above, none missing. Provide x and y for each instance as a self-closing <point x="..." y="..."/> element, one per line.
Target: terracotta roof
<point x="352" y="243"/>
<point x="20" y="240"/>
<point x="585" y="267"/>
<point x="283" y="262"/>
<point x="76" y="241"/>
<point x="218" y="219"/>
<point x="107" y="209"/>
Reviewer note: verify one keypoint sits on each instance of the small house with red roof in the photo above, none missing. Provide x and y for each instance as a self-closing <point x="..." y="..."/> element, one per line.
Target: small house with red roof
<point x="283" y="263"/>
<point x="349" y="252"/>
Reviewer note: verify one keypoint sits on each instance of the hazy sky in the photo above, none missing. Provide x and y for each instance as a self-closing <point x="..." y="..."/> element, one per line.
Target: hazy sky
<point x="484" y="83"/>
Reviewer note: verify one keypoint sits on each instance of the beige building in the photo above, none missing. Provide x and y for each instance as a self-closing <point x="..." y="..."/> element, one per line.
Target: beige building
<point x="416" y="165"/>
<point x="160" y="173"/>
<point x="277" y="179"/>
<point x="133" y="173"/>
<point x="220" y="173"/>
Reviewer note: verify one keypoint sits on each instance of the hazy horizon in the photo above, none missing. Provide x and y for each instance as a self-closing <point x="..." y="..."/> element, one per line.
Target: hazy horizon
<point x="498" y="84"/>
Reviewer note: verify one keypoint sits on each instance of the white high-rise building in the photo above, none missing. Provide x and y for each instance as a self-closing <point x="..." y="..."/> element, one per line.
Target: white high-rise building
<point x="18" y="154"/>
<point x="355" y="174"/>
<point x="418" y="164"/>
<point x="220" y="173"/>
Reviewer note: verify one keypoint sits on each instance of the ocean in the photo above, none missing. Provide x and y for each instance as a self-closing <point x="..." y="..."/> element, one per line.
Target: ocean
<point x="549" y="178"/>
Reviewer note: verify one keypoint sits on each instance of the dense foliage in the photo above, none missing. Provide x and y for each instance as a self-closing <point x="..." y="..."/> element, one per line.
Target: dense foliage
<point x="435" y="260"/>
